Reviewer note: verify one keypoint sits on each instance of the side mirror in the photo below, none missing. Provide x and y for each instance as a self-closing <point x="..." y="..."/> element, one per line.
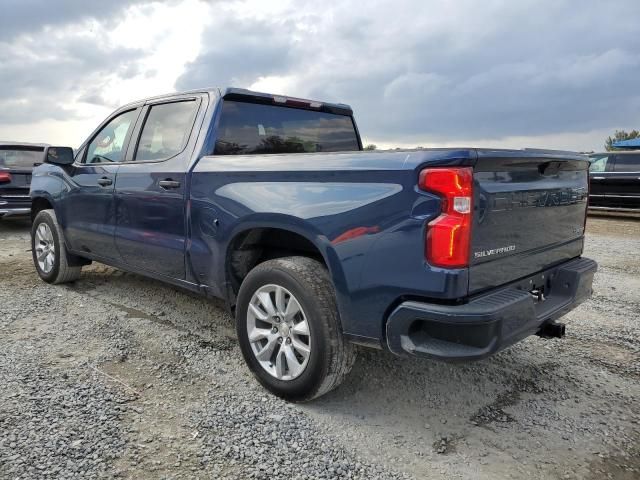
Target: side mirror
<point x="59" y="155"/>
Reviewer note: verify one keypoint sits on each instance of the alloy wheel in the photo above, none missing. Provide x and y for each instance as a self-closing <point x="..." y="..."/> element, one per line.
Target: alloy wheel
<point x="45" y="248"/>
<point x="278" y="332"/>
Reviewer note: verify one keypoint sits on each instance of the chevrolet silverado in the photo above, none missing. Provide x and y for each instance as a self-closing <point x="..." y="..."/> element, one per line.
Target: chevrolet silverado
<point x="269" y="203"/>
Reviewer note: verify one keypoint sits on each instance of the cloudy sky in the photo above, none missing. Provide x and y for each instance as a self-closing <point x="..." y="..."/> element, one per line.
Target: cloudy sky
<point x="504" y="73"/>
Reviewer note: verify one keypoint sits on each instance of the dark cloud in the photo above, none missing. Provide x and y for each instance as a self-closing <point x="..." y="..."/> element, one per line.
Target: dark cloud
<point x="443" y="70"/>
<point x="249" y="49"/>
<point x="37" y="88"/>
<point x="43" y="68"/>
<point x="20" y="17"/>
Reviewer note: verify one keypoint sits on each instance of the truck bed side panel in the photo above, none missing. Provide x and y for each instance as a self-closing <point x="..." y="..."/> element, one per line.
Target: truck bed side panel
<point x="367" y="221"/>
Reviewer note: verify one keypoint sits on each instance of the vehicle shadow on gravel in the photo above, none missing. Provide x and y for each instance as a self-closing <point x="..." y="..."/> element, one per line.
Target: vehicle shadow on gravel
<point x="371" y="388"/>
<point x="386" y="392"/>
<point x="494" y="411"/>
<point x="15" y="225"/>
<point x="414" y="394"/>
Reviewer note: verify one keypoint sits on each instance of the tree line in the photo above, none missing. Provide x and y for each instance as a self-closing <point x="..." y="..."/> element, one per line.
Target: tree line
<point x="618" y="136"/>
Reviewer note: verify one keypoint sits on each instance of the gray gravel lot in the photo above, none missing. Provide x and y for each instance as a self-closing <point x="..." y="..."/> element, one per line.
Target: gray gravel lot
<point x="121" y="376"/>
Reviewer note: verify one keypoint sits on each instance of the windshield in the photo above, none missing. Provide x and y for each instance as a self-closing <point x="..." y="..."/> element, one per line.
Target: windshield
<point x="21" y="158"/>
<point x="256" y="128"/>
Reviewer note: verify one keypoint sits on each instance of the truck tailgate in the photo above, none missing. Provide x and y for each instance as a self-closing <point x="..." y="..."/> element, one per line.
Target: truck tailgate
<point x="530" y="209"/>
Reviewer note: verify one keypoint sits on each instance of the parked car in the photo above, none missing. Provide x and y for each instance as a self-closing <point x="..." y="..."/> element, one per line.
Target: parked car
<point x="269" y="203"/>
<point x="17" y="160"/>
<point x="615" y="180"/>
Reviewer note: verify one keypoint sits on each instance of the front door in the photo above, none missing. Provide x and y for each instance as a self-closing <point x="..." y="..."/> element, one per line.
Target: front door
<point x="88" y="209"/>
<point x="150" y="189"/>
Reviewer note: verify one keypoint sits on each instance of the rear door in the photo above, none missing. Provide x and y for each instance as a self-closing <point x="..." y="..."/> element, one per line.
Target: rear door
<point x="624" y="181"/>
<point x="151" y="185"/>
<point x="530" y="209"/>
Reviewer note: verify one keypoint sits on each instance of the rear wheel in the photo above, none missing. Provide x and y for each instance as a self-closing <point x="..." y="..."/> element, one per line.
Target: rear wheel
<point x="50" y="256"/>
<point x="289" y="330"/>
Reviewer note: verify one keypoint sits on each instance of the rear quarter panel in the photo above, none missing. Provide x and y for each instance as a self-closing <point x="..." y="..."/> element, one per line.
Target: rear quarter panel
<point x="361" y="210"/>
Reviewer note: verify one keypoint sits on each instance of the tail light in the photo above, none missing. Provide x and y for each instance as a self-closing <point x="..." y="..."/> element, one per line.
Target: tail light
<point x="449" y="236"/>
<point x="5" y="177"/>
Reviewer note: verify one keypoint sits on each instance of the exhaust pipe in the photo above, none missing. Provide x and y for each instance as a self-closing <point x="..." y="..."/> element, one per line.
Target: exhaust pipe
<point x="551" y="330"/>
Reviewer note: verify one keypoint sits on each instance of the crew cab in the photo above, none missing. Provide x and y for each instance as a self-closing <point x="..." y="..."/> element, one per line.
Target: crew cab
<point x="269" y="203"/>
<point x="615" y="181"/>
<point x="17" y="160"/>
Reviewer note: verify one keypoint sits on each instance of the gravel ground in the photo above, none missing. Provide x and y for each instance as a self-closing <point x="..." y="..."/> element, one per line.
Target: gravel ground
<point x="121" y="376"/>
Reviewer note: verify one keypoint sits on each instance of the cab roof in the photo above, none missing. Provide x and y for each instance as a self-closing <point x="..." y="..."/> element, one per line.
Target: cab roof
<point x="258" y="97"/>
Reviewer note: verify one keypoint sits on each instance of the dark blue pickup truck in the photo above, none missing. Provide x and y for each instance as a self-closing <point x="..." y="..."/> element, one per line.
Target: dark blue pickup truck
<point x="269" y="203"/>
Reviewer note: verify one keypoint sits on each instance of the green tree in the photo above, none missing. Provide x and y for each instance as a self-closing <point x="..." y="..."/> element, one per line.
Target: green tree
<point x="371" y="146"/>
<point x="618" y="136"/>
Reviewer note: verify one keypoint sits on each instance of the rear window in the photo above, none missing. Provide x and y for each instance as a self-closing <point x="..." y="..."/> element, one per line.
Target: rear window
<point x="256" y="128"/>
<point x="21" y="158"/>
<point x="627" y="163"/>
<point x="166" y="130"/>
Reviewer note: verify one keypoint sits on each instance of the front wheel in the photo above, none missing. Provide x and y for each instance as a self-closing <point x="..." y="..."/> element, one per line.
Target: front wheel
<point x="289" y="329"/>
<point x="50" y="256"/>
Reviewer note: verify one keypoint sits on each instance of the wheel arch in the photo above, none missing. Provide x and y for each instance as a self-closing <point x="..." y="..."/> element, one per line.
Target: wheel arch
<point x="39" y="203"/>
<point x="256" y="242"/>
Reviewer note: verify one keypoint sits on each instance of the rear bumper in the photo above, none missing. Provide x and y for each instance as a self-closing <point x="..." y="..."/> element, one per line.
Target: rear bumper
<point x="14" y="212"/>
<point x="14" y="205"/>
<point x="492" y="321"/>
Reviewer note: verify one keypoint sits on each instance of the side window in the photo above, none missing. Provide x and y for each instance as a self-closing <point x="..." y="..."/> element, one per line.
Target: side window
<point x="166" y="130"/>
<point x="599" y="164"/>
<point x="108" y="145"/>
<point x="627" y="163"/>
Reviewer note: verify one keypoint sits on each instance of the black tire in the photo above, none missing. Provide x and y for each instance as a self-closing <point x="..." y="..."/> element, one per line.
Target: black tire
<point x="331" y="356"/>
<point x="61" y="272"/>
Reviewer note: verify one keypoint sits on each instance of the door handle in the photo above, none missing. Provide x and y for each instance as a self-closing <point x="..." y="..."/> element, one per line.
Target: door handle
<point x="597" y="178"/>
<point x="167" y="184"/>
<point x="105" y="182"/>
